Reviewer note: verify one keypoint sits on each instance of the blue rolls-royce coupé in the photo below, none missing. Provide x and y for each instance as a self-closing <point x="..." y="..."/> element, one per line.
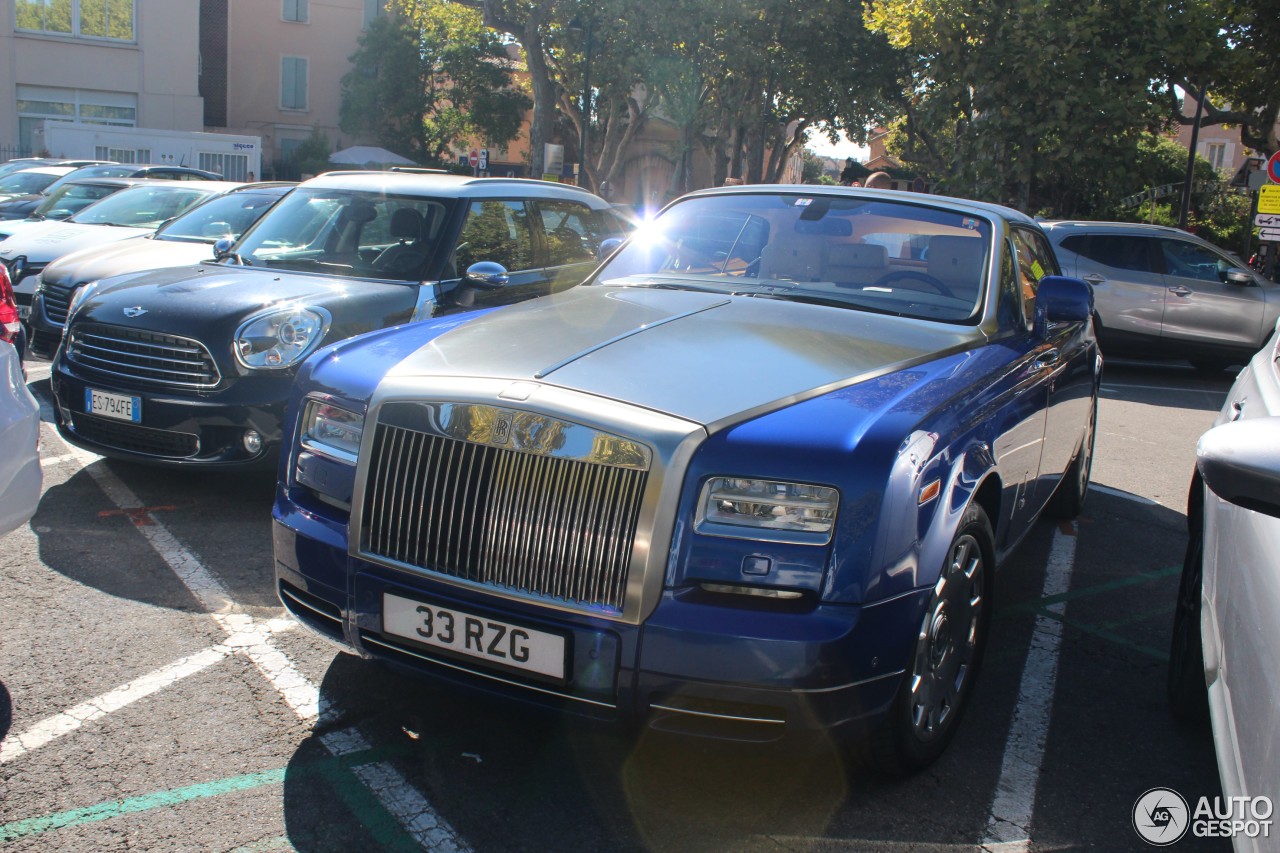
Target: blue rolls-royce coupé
<point x="751" y="479"/>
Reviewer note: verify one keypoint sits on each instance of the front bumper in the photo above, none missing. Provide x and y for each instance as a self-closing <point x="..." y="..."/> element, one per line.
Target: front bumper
<point x="189" y="430"/>
<point x="698" y="665"/>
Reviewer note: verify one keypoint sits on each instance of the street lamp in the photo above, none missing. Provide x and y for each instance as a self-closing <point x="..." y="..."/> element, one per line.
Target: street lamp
<point x="584" y="133"/>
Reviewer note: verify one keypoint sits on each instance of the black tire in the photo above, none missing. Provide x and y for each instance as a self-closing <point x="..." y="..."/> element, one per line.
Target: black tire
<point x="942" y="669"/>
<point x="1188" y="694"/>
<point x="1068" y="499"/>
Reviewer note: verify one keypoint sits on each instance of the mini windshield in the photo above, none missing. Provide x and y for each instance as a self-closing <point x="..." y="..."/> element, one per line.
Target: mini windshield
<point x="142" y="206"/>
<point x="221" y="216"/>
<point x="69" y="198"/>
<point x="872" y="254"/>
<point x="346" y="232"/>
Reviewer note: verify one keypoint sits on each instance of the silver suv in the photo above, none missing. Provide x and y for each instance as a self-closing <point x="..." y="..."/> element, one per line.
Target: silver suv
<point x="1163" y="293"/>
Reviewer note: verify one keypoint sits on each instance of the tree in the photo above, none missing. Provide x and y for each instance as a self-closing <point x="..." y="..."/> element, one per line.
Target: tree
<point x="1238" y="66"/>
<point x="427" y="74"/>
<point x="1015" y="100"/>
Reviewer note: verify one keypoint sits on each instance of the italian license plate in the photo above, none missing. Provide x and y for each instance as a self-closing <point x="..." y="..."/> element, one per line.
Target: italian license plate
<point x="474" y="636"/>
<point x="122" y="407"/>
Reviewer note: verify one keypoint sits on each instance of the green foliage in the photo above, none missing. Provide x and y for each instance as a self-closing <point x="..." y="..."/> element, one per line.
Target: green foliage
<point x="311" y="157"/>
<point x="427" y="74"/>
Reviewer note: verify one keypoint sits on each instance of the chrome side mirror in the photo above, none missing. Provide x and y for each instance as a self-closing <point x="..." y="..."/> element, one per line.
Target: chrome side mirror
<point x="486" y="275"/>
<point x="222" y="248"/>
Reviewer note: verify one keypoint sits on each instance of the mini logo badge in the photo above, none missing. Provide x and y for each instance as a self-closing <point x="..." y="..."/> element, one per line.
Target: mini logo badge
<point x="1161" y="817"/>
<point x="136" y="311"/>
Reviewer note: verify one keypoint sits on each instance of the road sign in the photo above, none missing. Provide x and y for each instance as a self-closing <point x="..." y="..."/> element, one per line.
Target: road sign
<point x="1269" y="199"/>
<point x="474" y="159"/>
<point x="1267" y="220"/>
<point x="484" y="159"/>
<point x="1273" y="168"/>
<point x="1269" y="234"/>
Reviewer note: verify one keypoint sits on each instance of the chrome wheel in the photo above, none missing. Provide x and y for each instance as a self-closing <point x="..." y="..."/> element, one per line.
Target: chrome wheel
<point x="948" y="644"/>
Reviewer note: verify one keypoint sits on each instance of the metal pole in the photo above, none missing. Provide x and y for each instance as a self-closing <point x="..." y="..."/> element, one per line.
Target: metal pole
<point x="1191" y="162"/>
<point x="1248" y="226"/>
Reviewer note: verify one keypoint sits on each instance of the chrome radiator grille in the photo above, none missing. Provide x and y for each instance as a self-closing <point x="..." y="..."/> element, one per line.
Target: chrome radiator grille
<point x="150" y="357"/>
<point x="528" y="522"/>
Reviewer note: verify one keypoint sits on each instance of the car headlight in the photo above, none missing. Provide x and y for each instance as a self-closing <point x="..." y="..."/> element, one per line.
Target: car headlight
<point x="280" y="338"/>
<point x="767" y="509"/>
<point x="332" y="431"/>
<point x="83" y="292"/>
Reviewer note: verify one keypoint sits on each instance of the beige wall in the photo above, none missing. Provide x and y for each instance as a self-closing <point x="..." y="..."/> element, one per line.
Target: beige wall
<point x="258" y="38"/>
<point x="159" y="69"/>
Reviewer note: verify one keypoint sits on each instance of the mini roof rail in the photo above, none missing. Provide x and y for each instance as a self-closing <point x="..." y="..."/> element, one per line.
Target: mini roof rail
<point x="420" y="170"/>
<point x="527" y="181"/>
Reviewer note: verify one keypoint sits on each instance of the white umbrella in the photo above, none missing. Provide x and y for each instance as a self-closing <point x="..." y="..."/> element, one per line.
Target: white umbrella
<point x="368" y="155"/>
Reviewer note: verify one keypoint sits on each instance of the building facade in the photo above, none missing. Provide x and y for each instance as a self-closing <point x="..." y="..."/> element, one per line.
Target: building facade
<point x="274" y="68"/>
<point x="126" y="63"/>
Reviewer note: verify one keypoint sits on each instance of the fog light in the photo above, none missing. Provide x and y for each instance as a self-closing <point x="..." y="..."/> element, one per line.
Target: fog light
<point x="252" y="441"/>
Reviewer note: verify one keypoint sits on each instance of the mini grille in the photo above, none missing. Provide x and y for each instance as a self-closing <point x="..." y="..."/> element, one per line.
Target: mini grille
<point x="134" y="438"/>
<point x="147" y="357"/>
<point x="548" y="526"/>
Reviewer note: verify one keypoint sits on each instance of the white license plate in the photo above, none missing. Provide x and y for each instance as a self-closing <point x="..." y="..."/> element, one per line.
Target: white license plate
<point x="122" y="407"/>
<point x="475" y="636"/>
<point x="24" y="313"/>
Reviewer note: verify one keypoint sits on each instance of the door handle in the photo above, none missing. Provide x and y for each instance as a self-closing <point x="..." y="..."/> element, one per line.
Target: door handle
<point x="1046" y="359"/>
<point x="1180" y="291"/>
<point x="1095" y="278"/>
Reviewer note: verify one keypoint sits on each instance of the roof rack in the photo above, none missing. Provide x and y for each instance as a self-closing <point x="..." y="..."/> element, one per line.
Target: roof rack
<point x="535" y="181"/>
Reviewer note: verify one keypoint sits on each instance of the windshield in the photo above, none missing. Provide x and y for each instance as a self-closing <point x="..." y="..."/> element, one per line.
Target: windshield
<point x="68" y="198"/>
<point x="25" y="183"/>
<point x="347" y="232"/>
<point x="891" y="257"/>
<point x="141" y="206"/>
<point x="221" y="216"/>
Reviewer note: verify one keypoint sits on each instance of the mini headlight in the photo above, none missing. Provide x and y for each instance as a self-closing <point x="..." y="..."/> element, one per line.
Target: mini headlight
<point x="332" y="431"/>
<point x="83" y="292"/>
<point x="767" y="509"/>
<point x="280" y="338"/>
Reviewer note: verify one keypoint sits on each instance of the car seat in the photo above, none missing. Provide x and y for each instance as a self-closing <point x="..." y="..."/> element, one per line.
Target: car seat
<point x="407" y="229"/>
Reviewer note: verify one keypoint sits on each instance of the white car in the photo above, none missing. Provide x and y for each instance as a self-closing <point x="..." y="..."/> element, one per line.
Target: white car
<point x="20" y="477"/>
<point x="1226" y="629"/>
<point x="129" y="213"/>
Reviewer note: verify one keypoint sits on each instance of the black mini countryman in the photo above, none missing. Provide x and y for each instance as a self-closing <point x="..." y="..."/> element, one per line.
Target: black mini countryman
<point x="191" y="366"/>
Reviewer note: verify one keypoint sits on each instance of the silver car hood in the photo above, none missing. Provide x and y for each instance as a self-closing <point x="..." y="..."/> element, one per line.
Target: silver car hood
<point x="707" y="358"/>
<point x="42" y="245"/>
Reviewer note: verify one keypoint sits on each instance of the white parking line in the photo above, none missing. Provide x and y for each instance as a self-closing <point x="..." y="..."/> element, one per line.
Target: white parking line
<point x="1012" y="809"/>
<point x="1129" y="496"/>
<point x="52" y="728"/>
<point x="251" y="638"/>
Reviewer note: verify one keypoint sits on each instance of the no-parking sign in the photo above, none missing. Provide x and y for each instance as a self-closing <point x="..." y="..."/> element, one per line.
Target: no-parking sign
<point x="1273" y="168"/>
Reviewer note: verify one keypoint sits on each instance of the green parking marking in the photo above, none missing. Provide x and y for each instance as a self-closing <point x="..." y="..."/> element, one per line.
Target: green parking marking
<point x="373" y="816"/>
<point x="369" y="812"/>
<point x="1104" y="634"/>
<point x="1096" y="589"/>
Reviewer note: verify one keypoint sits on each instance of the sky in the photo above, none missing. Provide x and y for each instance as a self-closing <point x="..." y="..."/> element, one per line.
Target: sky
<point x="819" y="145"/>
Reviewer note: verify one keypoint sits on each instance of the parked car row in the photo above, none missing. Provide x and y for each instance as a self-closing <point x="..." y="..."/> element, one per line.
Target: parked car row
<point x="752" y="477"/>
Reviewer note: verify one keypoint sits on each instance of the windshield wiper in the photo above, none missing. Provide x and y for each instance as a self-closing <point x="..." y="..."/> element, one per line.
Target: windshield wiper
<point x="810" y="299"/>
